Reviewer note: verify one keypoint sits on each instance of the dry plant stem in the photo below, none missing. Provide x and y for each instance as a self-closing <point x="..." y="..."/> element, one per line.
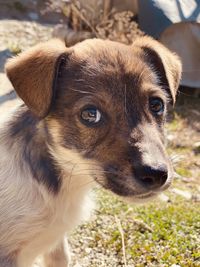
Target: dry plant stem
<point x="122" y="237"/>
<point x="106" y="8"/>
<point x="143" y="224"/>
<point x="82" y="17"/>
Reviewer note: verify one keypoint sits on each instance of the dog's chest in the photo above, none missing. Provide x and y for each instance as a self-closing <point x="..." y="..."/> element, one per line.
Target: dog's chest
<point x="64" y="214"/>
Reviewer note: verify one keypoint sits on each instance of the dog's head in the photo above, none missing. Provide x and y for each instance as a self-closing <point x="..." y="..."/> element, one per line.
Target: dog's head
<point x="107" y="102"/>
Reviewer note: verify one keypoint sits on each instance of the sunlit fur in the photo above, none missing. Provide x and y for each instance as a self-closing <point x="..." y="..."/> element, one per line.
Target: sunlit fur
<point x="50" y="161"/>
<point x="32" y="220"/>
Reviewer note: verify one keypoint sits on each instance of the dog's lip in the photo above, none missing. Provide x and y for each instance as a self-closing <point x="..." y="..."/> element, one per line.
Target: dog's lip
<point x="151" y="193"/>
<point x="165" y="186"/>
<point x="146" y="195"/>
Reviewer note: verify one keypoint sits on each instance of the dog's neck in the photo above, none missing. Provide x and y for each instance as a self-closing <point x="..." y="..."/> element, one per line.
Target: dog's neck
<point x="27" y="133"/>
<point x="31" y="169"/>
<point x="30" y="150"/>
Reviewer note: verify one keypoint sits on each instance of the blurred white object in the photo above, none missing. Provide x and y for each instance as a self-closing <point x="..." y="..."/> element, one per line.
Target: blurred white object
<point x="184" y="39"/>
<point x="185" y="194"/>
<point x="180" y="10"/>
<point x="164" y="197"/>
<point x="176" y="23"/>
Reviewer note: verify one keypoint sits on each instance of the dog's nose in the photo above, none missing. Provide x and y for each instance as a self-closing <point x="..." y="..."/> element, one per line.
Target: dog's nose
<point x="152" y="177"/>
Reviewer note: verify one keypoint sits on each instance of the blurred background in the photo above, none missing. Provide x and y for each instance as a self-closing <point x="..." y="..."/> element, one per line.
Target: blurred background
<point x="166" y="232"/>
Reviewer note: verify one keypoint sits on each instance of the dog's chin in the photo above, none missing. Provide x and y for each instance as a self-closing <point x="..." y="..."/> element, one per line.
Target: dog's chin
<point x="142" y="198"/>
<point x="129" y="193"/>
<point x="148" y="196"/>
<point x="133" y="197"/>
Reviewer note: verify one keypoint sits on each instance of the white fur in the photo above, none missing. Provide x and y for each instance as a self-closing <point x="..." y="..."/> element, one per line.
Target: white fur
<point x="33" y="220"/>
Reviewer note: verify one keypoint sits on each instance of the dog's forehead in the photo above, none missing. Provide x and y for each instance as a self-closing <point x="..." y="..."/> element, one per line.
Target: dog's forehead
<point x="107" y="53"/>
<point x="101" y="65"/>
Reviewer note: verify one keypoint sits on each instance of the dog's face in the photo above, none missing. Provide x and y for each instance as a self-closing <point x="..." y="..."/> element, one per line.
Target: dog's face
<point x="108" y="102"/>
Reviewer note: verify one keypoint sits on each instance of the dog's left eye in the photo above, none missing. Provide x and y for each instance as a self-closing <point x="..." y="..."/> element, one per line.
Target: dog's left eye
<point x="91" y="116"/>
<point x="156" y="105"/>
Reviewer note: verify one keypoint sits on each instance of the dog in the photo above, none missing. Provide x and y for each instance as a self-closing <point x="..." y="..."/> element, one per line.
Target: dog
<point x="91" y="114"/>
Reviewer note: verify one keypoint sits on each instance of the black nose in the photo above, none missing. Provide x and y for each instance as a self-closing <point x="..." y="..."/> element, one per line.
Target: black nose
<point x="151" y="177"/>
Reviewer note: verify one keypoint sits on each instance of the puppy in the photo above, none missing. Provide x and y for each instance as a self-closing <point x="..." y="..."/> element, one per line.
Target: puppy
<point x="92" y="114"/>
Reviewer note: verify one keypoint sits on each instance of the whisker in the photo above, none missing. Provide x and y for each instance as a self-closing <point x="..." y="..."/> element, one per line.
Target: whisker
<point x="85" y="163"/>
<point x="80" y="91"/>
<point x="125" y="100"/>
<point x="86" y="184"/>
<point x="88" y="171"/>
<point x="101" y="173"/>
<point x="140" y="76"/>
<point x="70" y="177"/>
<point x="100" y="181"/>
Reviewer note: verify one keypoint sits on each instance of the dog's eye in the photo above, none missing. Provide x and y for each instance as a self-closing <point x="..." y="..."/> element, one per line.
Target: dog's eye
<point x="91" y="116"/>
<point x="156" y="105"/>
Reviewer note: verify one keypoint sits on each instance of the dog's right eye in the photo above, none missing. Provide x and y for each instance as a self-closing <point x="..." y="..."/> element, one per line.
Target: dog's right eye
<point x="156" y="105"/>
<point x="91" y="116"/>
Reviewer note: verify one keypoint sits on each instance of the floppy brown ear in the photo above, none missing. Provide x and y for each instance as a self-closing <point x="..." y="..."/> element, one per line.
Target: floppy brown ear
<point x="33" y="74"/>
<point x="165" y="63"/>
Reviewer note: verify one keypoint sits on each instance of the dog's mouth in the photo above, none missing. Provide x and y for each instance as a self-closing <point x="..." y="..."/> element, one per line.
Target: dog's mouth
<point x="146" y="195"/>
<point x="147" y="183"/>
<point x="131" y="189"/>
<point x="153" y="194"/>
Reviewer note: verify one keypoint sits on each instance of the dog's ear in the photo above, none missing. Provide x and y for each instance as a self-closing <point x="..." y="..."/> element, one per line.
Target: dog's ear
<point x="34" y="72"/>
<point x="165" y="63"/>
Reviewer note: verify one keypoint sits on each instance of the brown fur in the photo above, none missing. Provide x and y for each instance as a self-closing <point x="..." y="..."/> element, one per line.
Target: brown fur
<point x="53" y="157"/>
<point x="33" y="72"/>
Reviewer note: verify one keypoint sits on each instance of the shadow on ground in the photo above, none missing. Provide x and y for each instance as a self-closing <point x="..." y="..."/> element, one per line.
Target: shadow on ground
<point x="7" y="97"/>
<point x="4" y="55"/>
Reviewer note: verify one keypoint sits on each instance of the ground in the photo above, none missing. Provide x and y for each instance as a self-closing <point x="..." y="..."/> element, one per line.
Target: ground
<point x="163" y="233"/>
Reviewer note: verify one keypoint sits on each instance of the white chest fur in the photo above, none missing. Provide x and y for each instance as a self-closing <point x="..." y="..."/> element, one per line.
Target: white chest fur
<point x="61" y="217"/>
<point x="32" y="218"/>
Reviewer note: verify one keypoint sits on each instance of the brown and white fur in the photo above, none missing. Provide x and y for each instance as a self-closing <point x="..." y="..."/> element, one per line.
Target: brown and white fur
<point x="51" y="158"/>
